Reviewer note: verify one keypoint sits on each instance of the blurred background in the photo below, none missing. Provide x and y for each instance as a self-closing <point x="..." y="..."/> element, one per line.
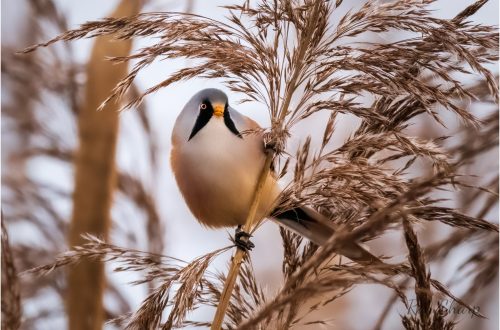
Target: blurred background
<point x="42" y="94"/>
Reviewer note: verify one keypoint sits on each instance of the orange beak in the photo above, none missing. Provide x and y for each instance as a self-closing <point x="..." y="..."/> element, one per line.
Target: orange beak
<point x="218" y="110"/>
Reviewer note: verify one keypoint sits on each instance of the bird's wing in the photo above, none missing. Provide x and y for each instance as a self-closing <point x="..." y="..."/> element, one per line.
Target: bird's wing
<point x="314" y="226"/>
<point x="244" y="123"/>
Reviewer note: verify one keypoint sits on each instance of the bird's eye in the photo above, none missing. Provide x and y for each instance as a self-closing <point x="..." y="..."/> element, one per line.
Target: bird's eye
<point x="203" y="106"/>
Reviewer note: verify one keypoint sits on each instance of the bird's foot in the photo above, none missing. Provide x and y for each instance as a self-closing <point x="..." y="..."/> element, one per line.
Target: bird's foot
<point x="242" y="240"/>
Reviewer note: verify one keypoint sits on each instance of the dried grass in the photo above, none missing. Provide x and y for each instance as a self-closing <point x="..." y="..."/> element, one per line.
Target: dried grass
<point x="39" y="129"/>
<point x="11" y="299"/>
<point x="289" y="56"/>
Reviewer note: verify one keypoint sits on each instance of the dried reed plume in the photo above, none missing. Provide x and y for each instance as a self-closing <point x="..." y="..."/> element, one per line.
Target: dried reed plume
<point x="39" y="130"/>
<point x="11" y="300"/>
<point x="384" y="178"/>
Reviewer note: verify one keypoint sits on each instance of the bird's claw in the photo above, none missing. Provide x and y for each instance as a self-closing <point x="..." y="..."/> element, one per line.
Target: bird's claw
<point x="242" y="240"/>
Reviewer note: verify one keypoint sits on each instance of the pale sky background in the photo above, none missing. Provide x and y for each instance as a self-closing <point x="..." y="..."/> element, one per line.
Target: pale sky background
<point x="184" y="237"/>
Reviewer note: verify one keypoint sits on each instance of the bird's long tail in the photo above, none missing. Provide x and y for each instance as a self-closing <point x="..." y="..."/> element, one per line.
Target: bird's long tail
<point x="318" y="229"/>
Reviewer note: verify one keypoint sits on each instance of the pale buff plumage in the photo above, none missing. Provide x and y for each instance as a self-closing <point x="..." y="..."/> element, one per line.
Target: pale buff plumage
<point x="217" y="171"/>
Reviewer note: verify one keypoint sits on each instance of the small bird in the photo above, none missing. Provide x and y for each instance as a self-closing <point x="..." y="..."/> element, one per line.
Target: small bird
<point x="217" y="166"/>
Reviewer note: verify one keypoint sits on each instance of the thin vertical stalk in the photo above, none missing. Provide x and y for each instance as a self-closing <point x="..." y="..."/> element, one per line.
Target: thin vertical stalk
<point x="240" y="254"/>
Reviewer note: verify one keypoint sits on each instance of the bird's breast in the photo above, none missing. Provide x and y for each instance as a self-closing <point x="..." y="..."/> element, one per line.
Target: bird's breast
<point x="217" y="172"/>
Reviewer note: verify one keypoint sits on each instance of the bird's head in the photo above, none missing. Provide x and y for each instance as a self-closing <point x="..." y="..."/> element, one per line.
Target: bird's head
<point x="212" y="101"/>
<point x="206" y="105"/>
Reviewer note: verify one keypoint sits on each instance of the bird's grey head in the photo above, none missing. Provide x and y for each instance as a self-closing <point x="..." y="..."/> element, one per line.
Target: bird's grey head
<point x="211" y="95"/>
<point x="200" y="109"/>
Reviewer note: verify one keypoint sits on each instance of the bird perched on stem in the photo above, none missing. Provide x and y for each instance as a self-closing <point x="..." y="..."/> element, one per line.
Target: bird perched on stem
<point x="217" y="166"/>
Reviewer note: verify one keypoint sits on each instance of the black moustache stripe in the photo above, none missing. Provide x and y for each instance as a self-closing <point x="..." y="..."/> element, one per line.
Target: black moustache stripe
<point x="230" y="124"/>
<point x="203" y="118"/>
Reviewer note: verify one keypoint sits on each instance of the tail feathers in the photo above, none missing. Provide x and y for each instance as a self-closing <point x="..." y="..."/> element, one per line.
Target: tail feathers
<point x="318" y="229"/>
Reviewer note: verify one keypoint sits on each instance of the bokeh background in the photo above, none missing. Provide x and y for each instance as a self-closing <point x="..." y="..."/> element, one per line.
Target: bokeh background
<point x="40" y="93"/>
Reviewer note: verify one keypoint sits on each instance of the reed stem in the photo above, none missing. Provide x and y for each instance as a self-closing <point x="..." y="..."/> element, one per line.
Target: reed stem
<point x="240" y="254"/>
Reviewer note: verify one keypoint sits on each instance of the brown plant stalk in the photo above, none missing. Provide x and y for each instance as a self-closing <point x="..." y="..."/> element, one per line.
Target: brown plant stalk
<point x="95" y="177"/>
<point x="237" y="259"/>
<point x="291" y="87"/>
<point x="11" y="300"/>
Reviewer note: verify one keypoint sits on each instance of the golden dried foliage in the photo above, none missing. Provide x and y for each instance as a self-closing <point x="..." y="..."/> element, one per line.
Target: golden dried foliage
<point x="290" y="56"/>
<point x="39" y="130"/>
<point x="11" y="300"/>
